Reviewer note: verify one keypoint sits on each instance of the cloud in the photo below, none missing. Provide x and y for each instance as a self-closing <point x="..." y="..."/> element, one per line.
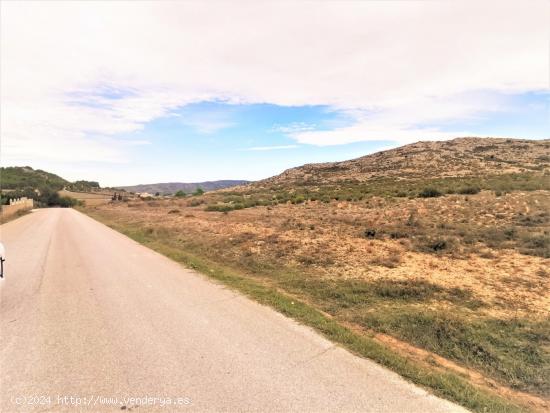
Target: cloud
<point x="294" y="127"/>
<point x="77" y="75"/>
<point x="405" y="123"/>
<point x="207" y="120"/>
<point x="271" y="148"/>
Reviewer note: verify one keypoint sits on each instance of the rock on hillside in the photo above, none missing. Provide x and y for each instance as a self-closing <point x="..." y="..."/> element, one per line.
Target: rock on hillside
<point x="434" y="159"/>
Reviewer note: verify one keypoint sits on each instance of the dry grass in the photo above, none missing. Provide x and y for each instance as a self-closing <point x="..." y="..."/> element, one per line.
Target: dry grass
<point x="452" y="267"/>
<point x="479" y="300"/>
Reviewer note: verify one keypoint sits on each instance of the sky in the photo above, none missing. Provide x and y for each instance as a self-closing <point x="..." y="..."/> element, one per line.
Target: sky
<point x="170" y="91"/>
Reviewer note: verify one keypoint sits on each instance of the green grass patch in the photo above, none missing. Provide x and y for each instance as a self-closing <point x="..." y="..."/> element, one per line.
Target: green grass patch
<point x="510" y="350"/>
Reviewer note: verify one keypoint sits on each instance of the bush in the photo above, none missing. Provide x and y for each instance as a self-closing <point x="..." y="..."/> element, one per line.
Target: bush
<point x="180" y="194"/>
<point x="535" y="244"/>
<point x="370" y="233"/>
<point x="435" y="244"/>
<point x="195" y="202"/>
<point x="429" y="193"/>
<point x="392" y="260"/>
<point x="469" y="190"/>
<point x="66" y="202"/>
<point x="219" y="208"/>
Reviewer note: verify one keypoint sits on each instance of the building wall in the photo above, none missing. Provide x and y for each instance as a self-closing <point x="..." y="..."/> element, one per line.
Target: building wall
<point x="16" y="205"/>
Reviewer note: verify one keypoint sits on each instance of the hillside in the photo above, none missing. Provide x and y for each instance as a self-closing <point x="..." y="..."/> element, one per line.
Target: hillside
<point x="44" y="187"/>
<point x="173" y="187"/>
<point x="438" y="251"/>
<point x="423" y="160"/>
<point x="21" y="177"/>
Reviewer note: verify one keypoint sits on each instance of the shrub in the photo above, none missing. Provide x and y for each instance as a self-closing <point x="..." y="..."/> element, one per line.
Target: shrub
<point x="435" y="244"/>
<point x="536" y="244"/>
<point x="429" y="193"/>
<point x="370" y="233"/>
<point x="392" y="260"/>
<point x="180" y="194"/>
<point x="438" y="245"/>
<point x="195" y="202"/>
<point x="469" y="190"/>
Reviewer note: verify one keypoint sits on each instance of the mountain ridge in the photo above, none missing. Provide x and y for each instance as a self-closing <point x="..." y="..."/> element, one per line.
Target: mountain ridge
<point x="468" y="156"/>
<point x="172" y="187"/>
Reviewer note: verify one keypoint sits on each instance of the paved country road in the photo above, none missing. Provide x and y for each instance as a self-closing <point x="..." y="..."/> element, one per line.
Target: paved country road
<point x="90" y="319"/>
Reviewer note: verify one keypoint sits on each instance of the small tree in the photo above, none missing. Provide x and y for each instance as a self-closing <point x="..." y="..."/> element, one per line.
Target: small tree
<point x="199" y="191"/>
<point x="180" y="194"/>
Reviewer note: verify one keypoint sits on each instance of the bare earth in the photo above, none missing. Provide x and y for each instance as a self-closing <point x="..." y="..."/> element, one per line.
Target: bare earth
<point x="86" y="312"/>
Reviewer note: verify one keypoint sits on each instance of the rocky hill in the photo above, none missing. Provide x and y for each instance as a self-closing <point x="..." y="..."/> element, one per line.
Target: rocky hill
<point x="435" y="159"/>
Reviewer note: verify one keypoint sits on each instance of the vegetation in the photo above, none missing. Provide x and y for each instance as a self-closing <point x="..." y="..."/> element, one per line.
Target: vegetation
<point x="45" y="197"/>
<point x="308" y="299"/>
<point x="18" y="214"/>
<point x="401" y="255"/>
<point x="83" y="186"/>
<point x="429" y="193"/>
<point x="353" y="191"/>
<point x="41" y="186"/>
<point x="25" y="177"/>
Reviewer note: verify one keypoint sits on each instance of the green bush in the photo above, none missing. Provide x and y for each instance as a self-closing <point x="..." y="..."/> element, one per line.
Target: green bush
<point x="429" y="193"/>
<point x="469" y="190"/>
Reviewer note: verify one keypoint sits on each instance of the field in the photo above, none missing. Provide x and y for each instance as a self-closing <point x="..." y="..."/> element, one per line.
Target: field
<point x="89" y="198"/>
<point x="458" y="282"/>
<point x="434" y="256"/>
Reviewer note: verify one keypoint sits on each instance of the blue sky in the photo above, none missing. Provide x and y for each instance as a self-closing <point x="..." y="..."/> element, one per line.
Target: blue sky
<point x="217" y="140"/>
<point x="245" y="91"/>
<point x="248" y="142"/>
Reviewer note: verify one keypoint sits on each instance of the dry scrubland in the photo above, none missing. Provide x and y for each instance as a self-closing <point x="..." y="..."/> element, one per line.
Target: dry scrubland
<point x="452" y="272"/>
<point x="89" y="198"/>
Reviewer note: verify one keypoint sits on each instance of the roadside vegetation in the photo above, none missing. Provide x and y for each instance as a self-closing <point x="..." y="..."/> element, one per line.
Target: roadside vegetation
<point x="461" y="276"/>
<point x="442" y="382"/>
<point x="444" y="279"/>
<point x="18" y="214"/>
<point x="41" y="186"/>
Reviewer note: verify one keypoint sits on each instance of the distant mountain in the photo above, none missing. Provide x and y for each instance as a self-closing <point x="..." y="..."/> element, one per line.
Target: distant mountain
<point x="173" y="187"/>
<point x="424" y="160"/>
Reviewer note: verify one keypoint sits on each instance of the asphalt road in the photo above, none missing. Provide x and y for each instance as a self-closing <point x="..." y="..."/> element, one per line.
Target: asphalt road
<point x="91" y="319"/>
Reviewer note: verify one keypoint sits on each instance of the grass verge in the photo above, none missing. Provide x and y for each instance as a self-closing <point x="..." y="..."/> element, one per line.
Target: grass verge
<point x="12" y="217"/>
<point x="445" y="384"/>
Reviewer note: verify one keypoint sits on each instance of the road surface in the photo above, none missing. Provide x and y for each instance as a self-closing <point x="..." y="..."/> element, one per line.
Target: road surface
<point x="91" y="320"/>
